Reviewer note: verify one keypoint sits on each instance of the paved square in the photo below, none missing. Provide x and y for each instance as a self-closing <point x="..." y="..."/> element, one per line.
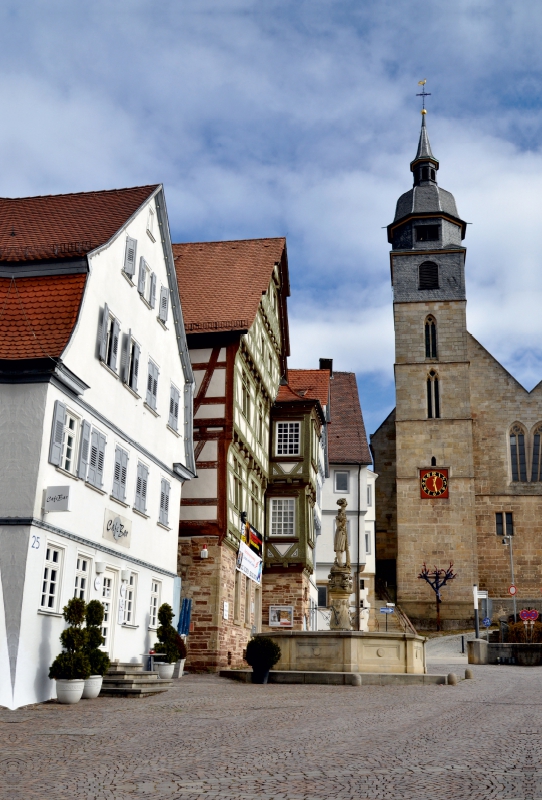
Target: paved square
<point x="212" y="738"/>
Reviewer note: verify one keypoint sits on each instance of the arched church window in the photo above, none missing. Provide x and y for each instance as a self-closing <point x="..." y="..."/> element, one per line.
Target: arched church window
<point x="430" y="337"/>
<point x="433" y="396"/>
<point x="428" y="275"/>
<point x="517" y="453"/>
<point x="537" y="455"/>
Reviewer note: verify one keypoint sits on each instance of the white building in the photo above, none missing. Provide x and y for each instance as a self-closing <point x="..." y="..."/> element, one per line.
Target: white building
<point x="350" y="478"/>
<point x="95" y="424"/>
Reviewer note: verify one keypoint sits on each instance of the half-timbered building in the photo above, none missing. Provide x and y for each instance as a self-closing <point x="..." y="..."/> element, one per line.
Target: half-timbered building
<point x="234" y="301"/>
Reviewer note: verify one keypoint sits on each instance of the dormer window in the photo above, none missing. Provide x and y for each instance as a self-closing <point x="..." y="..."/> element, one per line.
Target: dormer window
<point x="427" y="233"/>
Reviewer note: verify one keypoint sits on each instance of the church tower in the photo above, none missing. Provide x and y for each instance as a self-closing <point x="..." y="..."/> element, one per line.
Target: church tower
<point x="433" y="423"/>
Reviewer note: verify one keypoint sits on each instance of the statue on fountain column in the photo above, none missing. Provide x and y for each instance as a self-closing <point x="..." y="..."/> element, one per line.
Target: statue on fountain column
<point x="340" y="540"/>
<point x="340" y="586"/>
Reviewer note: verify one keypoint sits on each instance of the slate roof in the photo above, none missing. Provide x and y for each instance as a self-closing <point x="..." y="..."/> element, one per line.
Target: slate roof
<point x="347" y="440"/>
<point x="64" y="225"/>
<point x="424" y="146"/>
<point x="221" y="283"/>
<point x="424" y="199"/>
<point x="37" y="315"/>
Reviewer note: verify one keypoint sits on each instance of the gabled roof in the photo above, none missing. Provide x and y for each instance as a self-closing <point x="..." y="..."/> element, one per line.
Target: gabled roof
<point x="347" y="438"/>
<point x="310" y="384"/>
<point x="64" y="225"/>
<point x="221" y="283"/>
<point x="37" y="315"/>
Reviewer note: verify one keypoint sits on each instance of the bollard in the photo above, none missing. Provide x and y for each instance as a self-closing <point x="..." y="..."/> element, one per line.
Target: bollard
<point x="356" y="679"/>
<point x="452" y="679"/>
<point x="469" y="674"/>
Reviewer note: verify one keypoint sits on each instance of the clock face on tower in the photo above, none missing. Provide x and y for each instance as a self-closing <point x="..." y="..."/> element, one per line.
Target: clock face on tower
<point x="433" y="483"/>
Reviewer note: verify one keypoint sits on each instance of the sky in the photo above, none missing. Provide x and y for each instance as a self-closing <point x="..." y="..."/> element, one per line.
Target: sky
<point x="299" y="118"/>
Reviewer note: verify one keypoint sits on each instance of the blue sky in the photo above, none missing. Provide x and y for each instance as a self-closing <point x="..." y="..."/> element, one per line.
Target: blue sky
<point x="287" y="117"/>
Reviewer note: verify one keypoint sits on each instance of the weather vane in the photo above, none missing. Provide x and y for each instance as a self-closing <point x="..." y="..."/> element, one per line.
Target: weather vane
<point x="423" y="94"/>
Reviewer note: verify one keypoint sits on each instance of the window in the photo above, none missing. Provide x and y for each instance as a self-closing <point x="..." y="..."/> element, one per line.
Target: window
<point x="282" y="516"/>
<point x="69" y="443"/>
<point x="245" y="394"/>
<point x="428" y="275"/>
<point x="131" y="367"/>
<point x="504" y="522"/>
<point x="50" y="587"/>
<point x="129" y="599"/>
<point x="82" y="570"/>
<point x="254" y="505"/>
<point x="237" y="485"/>
<point x="247" y="600"/>
<point x="237" y="597"/>
<point x="97" y="459"/>
<point x="150" y="224"/>
<point x="341" y="481"/>
<point x="288" y="438"/>
<point x="274" y="299"/>
<point x="517" y="453"/>
<point x="537" y="456"/>
<point x="107" y="595"/>
<point x="430" y="337"/>
<point x="152" y="384"/>
<point x="427" y="233"/>
<point x="164" y="304"/>
<point x="368" y="544"/>
<point x="63" y="446"/>
<point x="155" y="603"/>
<point x="120" y="472"/>
<point x="433" y="396"/>
<point x="369" y="494"/>
<point x="174" y="397"/>
<point x="130" y="257"/>
<point x="140" y="503"/>
<point x="165" y="488"/>
<point x="425" y="173"/>
<point x="270" y="363"/>
<point x="260" y="423"/>
<point x="144" y="272"/>
<point x="322" y="596"/>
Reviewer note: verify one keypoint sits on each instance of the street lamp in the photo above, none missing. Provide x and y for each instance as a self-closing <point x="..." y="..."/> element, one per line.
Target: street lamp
<point x="507" y="540"/>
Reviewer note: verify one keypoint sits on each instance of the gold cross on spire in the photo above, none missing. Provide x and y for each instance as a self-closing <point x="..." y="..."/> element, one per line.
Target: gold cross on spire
<point x="423" y="94"/>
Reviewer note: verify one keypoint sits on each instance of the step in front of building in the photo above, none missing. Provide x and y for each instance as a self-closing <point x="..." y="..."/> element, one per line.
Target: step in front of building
<point x="131" y="680"/>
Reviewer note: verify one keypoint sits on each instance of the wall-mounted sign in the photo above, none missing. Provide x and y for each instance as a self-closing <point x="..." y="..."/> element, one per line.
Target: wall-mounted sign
<point x="249" y="563"/>
<point x="253" y="538"/>
<point x="226" y="613"/>
<point x="433" y="483"/>
<point x="117" y="529"/>
<point x="281" y="616"/>
<point x="56" y="498"/>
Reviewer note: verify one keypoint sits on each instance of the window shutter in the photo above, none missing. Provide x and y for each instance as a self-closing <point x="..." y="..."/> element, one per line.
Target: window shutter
<point x="141" y="276"/>
<point x="164" y="501"/>
<point x="103" y="335"/>
<point x="174" y="408"/>
<point x="125" y="357"/>
<point x="115" y="333"/>
<point x="83" y="450"/>
<point x="152" y="294"/>
<point x="130" y="256"/>
<point x="150" y="376"/>
<point x="59" y="420"/>
<point x="116" y="473"/>
<point x="164" y="297"/>
<point x="93" y="460"/>
<point x="101" y="460"/>
<point x="123" y="473"/>
<point x="135" y="369"/>
<point x="155" y="385"/>
<point x="141" y="488"/>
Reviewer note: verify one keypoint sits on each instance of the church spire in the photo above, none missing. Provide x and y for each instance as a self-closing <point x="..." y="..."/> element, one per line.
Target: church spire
<point x="425" y="164"/>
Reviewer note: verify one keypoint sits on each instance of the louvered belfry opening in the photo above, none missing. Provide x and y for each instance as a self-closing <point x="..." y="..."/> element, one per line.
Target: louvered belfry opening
<point x="428" y="275"/>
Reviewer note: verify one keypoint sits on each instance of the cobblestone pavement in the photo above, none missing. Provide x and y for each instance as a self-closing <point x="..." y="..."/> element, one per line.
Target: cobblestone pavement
<point x="212" y="738"/>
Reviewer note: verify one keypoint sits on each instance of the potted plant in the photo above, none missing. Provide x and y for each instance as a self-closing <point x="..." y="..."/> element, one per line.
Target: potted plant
<point x="71" y="667"/>
<point x="262" y="654"/>
<point x="181" y="657"/>
<point x="98" y="659"/>
<point x="167" y="643"/>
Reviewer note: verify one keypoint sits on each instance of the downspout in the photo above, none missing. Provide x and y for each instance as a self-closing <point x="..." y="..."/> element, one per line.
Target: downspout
<point x="358" y="597"/>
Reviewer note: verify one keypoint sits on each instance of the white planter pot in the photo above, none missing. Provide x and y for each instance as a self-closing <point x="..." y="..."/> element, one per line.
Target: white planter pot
<point x="92" y="688"/>
<point x="69" y="691"/>
<point x="165" y="671"/>
<point x="179" y="668"/>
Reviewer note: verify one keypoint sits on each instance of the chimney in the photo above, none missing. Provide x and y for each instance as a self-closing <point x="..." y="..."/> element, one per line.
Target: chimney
<point x="327" y="363"/>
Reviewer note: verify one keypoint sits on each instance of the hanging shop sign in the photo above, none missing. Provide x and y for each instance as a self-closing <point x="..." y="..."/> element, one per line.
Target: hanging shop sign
<point x="281" y="616"/>
<point x="434" y="484"/>
<point x="249" y="563"/>
<point x="117" y="529"/>
<point x="56" y="498"/>
<point x="253" y="538"/>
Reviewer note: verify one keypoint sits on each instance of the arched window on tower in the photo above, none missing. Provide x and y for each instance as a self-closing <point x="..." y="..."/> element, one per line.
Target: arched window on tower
<point x="433" y="396"/>
<point x="428" y="275"/>
<point x="430" y="337"/>
<point x="517" y="453"/>
<point x="536" y="471"/>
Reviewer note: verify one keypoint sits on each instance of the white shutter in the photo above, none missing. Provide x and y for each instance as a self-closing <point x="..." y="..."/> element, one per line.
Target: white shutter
<point x="164" y="297"/>
<point x="141" y="488"/>
<point x="130" y="256"/>
<point x="164" y="501"/>
<point x="174" y="408"/>
<point x="155" y="385"/>
<point x="150" y="376"/>
<point x="152" y="294"/>
<point x="103" y="334"/>
<point x="141" y="276"/>
<point x="101" y="460"/>
<point x="83" y="450"/>
<point x="59" y="420"/>
<point x="93" y="460"/>
<point x="136" y="352"/>
<point x="123" y="473"/>
<point x="115" y="334"/>
<point x="116" y="473"/>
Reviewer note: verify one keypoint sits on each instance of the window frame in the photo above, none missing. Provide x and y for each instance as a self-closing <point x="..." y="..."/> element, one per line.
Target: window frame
<point x="75" y="447"/>
<point x="518" y="453"/>
<point x="322" y="587"/>
<point x="290" y="440"/>
<point x="46" y="579"/>
<point x="428" y="279"/>
<point x="430" y="331"/>
<point x="273" y="510"/>
<point x="433" y="395"/>
<point x="78" y="590"/>
<point x="504" y="521"/>
<point x="154" y="603"/>
<point x="336" y="473"/>
<point x="130" y="597"/>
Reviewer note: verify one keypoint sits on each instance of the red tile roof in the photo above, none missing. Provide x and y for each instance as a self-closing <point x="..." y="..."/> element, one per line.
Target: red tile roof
<point x="37" y="315"/>
<point x="64" y="225"/>
<point x="221" y="283"/>
<point x="310" y="383"/>
<point x="346" y="433"/>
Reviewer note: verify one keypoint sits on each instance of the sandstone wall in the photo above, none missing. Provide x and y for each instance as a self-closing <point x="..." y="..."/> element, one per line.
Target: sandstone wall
<point x="286" y="588"/>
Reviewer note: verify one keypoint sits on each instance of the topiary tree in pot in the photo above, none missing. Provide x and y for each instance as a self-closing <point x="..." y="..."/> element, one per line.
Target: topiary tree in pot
<point x="98" y="659"/>
<point x="262" y="654"/>
<point x="168" y="642"/>
<point x="71" y="667"/>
